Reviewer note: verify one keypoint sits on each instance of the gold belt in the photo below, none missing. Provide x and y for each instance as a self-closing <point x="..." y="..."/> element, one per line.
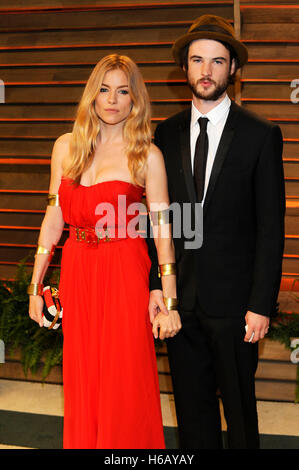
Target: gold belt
<point x="92" y="237"/>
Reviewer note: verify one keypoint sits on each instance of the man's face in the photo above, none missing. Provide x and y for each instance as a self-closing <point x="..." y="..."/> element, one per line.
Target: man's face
<point x="208" y="69"/>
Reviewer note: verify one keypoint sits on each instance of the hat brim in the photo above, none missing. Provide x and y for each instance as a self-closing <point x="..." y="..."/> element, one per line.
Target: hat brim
<point x="240" y="49"/>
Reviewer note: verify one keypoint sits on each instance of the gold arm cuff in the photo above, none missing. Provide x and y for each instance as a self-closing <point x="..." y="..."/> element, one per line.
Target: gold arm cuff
<point x="166" y="269"/>
<point x="41" y="250"/>
<point x="35" y="289"/>
<point x="171" y="303"/>
<point x="159" y="217"/>
<point x="53" y="200"/>
<point x="44" y="251"/>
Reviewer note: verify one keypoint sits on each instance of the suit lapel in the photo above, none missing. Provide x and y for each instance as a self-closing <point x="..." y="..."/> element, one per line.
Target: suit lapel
<point x="223" y="147"/>
<point x="186" y="155"/>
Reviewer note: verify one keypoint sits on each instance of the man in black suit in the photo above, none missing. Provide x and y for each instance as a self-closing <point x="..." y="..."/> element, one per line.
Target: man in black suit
<point x="229" y="160"/>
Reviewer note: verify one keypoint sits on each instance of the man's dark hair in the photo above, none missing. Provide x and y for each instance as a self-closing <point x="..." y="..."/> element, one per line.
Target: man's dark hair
<point x="232" y="55"/>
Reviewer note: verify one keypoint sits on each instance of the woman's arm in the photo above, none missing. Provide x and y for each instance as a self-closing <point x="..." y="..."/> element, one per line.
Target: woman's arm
<point x="158" y="202"/>
<point x="51" y="227"/>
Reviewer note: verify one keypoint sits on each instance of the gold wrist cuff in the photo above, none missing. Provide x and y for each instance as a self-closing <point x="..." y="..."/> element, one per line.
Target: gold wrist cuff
<point x="171" y="303"/>
<point x="35" y="289"/>
<point x="159" y="217"/>
<point x="166" y="269"/>
<point x="53" y="200"/>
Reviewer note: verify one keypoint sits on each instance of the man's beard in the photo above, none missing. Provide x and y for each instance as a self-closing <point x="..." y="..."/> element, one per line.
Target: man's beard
<point x="213" y="95"/>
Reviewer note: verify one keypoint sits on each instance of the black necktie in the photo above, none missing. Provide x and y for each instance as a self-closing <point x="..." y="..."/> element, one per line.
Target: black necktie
<point x="200" y="158"/>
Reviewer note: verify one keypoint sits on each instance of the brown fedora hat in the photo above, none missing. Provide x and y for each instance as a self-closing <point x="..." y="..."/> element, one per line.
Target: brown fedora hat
<point x="210" y="27"/>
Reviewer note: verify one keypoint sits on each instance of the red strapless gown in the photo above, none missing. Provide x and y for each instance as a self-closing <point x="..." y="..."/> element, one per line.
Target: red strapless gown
<point x="111" y="388"/>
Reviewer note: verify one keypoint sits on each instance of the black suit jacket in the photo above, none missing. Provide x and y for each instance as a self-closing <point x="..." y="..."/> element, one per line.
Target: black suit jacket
<point x="238" y="266"/>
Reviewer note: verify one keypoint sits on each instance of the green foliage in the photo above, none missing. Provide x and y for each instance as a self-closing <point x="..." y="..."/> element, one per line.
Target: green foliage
<point x="17" y="330"/>
<point x="284" y="327"/>
<point x="42" y="346"/>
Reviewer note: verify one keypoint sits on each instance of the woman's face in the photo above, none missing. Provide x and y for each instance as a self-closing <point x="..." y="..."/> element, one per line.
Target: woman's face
<point x="113" y="103"/>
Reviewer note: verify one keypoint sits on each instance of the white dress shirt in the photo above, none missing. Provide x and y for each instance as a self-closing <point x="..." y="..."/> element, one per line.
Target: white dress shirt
<point x="217" y="119"/>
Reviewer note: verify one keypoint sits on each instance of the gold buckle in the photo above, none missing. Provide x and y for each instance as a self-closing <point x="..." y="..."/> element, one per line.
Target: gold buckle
<point x="103" y="237"/>
<point x="80" y="236"/>
<point x="55" y="292"/>
<point x="83" y="235"/>
<point x="107" y="239"/>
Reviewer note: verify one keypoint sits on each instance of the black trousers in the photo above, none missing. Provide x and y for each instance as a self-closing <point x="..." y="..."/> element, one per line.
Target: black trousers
<point x="207" y="355"/>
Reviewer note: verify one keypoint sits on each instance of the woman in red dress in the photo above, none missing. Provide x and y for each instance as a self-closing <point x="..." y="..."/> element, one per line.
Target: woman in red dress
<point x="99" y="172"/>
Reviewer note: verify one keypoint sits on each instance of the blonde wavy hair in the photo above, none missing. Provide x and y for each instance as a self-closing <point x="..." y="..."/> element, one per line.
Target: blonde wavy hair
<point x="137" y="128"/>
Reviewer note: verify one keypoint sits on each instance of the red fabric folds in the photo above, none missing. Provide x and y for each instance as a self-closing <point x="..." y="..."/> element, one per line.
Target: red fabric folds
<point x="111" y="387"/>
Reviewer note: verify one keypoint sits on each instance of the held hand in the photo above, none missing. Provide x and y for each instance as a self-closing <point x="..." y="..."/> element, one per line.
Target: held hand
<point x="257" y="324"/>
<point x="36" y="303"/>
<point x="169" y="325"/>
<point x="156" y="304"/>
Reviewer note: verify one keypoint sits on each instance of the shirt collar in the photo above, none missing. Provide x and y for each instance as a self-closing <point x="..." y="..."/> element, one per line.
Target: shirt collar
<point x="214" y="116"/>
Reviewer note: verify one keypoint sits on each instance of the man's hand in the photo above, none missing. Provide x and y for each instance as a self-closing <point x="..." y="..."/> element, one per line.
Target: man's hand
<point x="257" y="324"/>
<point x="169" y="325"/>
<point x="156" y="304"/>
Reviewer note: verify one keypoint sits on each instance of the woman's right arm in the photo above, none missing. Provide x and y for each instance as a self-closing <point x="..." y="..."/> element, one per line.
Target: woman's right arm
<point x="51" y="228"/>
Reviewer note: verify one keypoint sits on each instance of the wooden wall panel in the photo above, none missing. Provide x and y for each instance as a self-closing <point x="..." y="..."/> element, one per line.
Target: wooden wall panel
<point x="47" y="51"/>
<point x="47" y="54"/>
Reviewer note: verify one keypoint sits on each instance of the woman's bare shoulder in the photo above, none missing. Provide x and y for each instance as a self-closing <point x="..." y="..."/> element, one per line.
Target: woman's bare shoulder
<point x="155" y="168"/>
<point x="63" y="140"/>
<point x="155" y="155"/>
<point x="61" y="150"/>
